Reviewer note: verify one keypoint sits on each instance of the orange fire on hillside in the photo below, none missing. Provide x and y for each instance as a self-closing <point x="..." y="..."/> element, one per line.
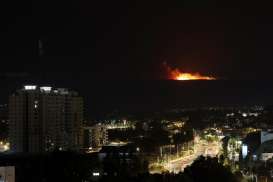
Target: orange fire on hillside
<point x="176" y="74"/>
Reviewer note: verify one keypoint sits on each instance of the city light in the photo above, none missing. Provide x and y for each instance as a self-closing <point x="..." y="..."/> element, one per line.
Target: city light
<point x="177" y="163"/>
<point x="46" y="89"/>
<point x="244" y="151"/>
<point x="30" y="87"/>
<point x="96" y="174"/>
<point x="4" y="146"/>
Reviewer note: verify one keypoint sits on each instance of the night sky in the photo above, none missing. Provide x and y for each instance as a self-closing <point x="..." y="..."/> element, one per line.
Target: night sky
<point x="85" y="42"/>
<point x="131" y="39"/>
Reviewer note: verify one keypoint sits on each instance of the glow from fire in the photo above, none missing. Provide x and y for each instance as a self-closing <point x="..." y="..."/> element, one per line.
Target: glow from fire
<point x="176" y="74"/>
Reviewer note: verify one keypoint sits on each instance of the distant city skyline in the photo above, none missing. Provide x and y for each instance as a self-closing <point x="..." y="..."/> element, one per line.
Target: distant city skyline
<point x="102" y="97"/>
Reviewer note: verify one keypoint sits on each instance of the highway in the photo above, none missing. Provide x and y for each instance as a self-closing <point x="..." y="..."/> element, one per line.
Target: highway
<point x="201" y="147"/>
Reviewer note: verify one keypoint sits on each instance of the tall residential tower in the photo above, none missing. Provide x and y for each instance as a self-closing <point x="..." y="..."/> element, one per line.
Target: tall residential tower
<point x="43" y="119"/>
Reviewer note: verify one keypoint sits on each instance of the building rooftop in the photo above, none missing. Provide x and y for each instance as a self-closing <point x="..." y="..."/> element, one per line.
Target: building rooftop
<point x="47" y="90"/>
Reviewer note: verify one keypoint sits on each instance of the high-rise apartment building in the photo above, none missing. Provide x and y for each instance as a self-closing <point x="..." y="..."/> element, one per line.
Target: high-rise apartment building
<point x="42" y="119"/>
<point x="3" y="122"/>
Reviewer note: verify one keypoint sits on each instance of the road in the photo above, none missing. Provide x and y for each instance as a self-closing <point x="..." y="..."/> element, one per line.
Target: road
<point x="201" y="148"/>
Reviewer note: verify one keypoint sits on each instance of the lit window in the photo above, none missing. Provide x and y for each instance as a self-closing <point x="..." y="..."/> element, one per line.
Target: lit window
<point x="30" y="87"/>
<point x="96" y="174"/>
<point x="46" y="89"/>
<point x="244" y="114"/>
<point x="35" y="104"/>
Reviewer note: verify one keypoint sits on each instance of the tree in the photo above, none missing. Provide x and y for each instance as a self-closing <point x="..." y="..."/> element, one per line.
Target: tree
<point x="209" y="170"/>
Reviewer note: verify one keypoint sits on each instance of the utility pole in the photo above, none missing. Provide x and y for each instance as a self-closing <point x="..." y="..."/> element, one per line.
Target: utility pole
<point x="177" y="150"/>
<point x="41" y="49"/>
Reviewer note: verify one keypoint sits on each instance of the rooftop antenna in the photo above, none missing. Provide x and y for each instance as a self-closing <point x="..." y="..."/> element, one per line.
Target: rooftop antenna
<point x="41" y="48"/>
<point x="41" y="53"/>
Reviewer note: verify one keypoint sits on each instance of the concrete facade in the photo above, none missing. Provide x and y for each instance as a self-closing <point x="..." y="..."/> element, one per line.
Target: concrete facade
<point x="43" y="119"/>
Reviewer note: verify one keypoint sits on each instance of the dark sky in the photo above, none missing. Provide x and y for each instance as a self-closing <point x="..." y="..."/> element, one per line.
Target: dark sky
<point x="121" y="42"/>
<point x="131" y="39"/>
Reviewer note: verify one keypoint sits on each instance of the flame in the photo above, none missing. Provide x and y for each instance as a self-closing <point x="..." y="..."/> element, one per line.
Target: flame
<point x="176" y="74"/>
